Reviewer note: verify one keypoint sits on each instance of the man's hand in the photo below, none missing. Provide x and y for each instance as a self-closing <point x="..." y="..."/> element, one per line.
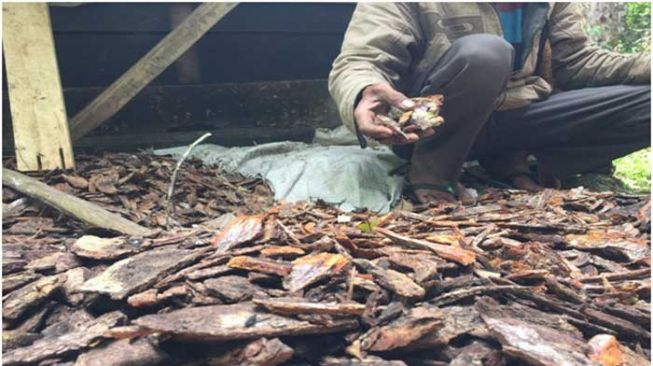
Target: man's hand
<point x="377" y="100"/>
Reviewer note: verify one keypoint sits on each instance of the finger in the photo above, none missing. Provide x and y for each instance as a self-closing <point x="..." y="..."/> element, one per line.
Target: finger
<point x="426" y="133"/>
<point x="373" y="130"/>
<point x="408" y="138"/>
<point x="394" y="98"/>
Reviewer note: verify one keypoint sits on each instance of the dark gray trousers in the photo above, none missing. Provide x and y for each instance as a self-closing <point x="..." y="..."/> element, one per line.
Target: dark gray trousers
<point x="575" y="131"/>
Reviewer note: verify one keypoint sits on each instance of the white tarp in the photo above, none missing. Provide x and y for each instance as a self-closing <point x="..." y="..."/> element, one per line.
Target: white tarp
<point x="331" y="169"/>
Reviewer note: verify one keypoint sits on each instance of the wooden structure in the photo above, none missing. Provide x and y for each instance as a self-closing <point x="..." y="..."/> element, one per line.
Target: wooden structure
<point x="40" y="129"/>
<point x="256" y="76"/>
<point x="41" y="135"/>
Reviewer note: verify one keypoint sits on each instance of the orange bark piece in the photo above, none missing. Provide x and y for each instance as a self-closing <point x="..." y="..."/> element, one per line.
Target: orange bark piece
<point x="454" y="254"/>
<point x="260" y="265"/>
<point x="313" y="267"/>
<point x="282" y="251"/>
<point x="606" y="350"/>
<point x="239" y="230"/>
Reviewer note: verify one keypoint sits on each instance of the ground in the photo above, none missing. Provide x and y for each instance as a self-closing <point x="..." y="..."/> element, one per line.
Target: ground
<point x="557" y="277"/>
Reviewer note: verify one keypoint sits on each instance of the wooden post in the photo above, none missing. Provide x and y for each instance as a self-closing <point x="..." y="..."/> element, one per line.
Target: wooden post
<point x="38" y="112"/>
<point x="203" y="18"/>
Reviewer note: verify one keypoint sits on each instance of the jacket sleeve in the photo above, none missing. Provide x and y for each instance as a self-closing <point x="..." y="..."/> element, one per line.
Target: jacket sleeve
<point x="377" y="48"/>
<point x="576" y="64"/>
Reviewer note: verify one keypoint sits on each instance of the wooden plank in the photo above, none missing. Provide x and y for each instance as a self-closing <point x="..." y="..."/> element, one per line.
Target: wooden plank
<point x="38" y="112"/>
<point x="148" y="67"/>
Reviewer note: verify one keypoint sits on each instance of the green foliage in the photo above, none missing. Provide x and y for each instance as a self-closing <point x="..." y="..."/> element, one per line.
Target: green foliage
<point x="621" y="27"/>
<point x="636" y="36"/>
<point x="634" y="170"/>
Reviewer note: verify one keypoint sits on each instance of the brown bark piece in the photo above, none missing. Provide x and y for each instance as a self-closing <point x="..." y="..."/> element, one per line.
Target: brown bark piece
<point x="394" y="281"/>
<point x="239" y="231"/>
<point x="454" y="254"/>
<point x="311" y="268"/>
<point x="456" y="321"/>
<point x="261" y="352"/>
<point x="400" y="333"/>
<point x="230" y="322"/>
<point x="58" y="346"/>
<point x="152" y="297"/>
<point x="29" y="296"/>
<point x="232" y="288"/>
<point x="537" y="344"/>
<point x="90" y="246"/>
<point x="424" y="267"/>
<point x="14" y="281"/>
<point x="260" y="265"/>
<point x="139" y="352"/>
<point x="138" y="272"/>
<point x="367" y="361"/>
<point x="209" y="272"/>
<point x="291" y="306"/>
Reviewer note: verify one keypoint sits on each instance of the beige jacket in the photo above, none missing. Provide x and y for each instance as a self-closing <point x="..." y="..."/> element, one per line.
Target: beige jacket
<point x="398" y="42"/>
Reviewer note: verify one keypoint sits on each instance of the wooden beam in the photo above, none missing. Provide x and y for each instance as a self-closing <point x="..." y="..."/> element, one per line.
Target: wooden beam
<point x="203" y="18"/>
<point x="38" y="111"/>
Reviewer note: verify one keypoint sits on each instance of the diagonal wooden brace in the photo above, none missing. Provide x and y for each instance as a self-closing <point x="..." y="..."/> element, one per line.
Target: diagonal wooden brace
<point x="167" y="51"/>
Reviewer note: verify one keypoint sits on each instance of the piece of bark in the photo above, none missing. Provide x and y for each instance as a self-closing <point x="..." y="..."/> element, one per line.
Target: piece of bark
<point x="425" y="268"/>
<point x="152" y="297"/>
<point x="458" y="295"/>
<point x="123" y="352"/>
<point x="29" y="296"/>
<point x="537" y="344"/>
<point x="606" y="350"/>
<point x="409" y="328"/>
<point x="456" y="321"/>
<point x="85" y="211"/>
<point x="24" y="334"/>
<point x="74" y="279"/>
<point x="12" y="265"/>
<point x="135" y="273"/>
<point x="291" y="306"/>
<point x="239" y="231"/>
<point x="311" y="268"/>
<point x="14" y="281"/>
<point x="489" y="307"/>
<point x="261" y="352"/>
<point x="619" y="276"/>
<point x="394" y="281"/>
<point x="454" y="254"/>
<point x="285" y="252"/>
<point x="209" y="272"/>
<point x="230" y="322"/>
<point x="59" y="346"/>
<point x="66" y="320"/>
<point x="90" y="246"/>
<point x="45" y="263"/>
<point x="260" y="265"/>
<point x="367" y="361"/>
<point x="476" y="353"/>
<point x="232" y="289"/>
<point x="622" y="326"/>
<point x="126" y="332"/>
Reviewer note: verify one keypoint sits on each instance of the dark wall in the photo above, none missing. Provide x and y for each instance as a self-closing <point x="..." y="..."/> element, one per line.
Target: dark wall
<point x="96" y="43"/>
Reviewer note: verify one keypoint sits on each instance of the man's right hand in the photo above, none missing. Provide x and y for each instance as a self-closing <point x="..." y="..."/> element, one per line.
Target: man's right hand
<point x="377" y="100"/>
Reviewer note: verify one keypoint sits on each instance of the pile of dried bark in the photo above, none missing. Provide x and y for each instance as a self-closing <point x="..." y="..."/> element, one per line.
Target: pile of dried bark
<point x="556" y="278"/>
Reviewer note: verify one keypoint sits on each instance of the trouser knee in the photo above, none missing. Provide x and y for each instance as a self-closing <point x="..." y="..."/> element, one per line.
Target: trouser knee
<point x="478" y="63"/>
<point x="485" y="56"/>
